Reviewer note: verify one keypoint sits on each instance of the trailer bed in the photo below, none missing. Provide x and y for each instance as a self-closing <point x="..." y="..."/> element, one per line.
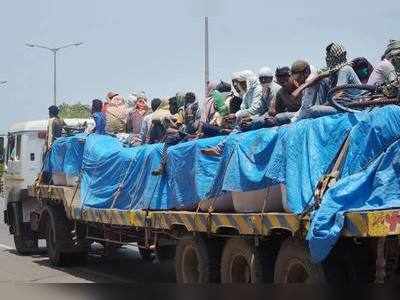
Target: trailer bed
<point x="377" y="223"/>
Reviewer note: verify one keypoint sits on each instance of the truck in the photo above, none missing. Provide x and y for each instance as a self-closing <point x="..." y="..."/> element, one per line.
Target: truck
<point x="207" y="246"/>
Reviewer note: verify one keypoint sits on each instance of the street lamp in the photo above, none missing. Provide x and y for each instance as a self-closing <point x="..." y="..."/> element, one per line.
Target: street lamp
<point x="54" y="51"/>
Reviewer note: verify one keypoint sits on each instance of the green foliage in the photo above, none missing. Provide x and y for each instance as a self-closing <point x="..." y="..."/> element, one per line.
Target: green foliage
<point x="71" y="111"/>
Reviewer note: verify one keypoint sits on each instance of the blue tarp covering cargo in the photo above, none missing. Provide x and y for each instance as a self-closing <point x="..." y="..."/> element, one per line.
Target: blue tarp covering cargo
<point x="297" y="155"/>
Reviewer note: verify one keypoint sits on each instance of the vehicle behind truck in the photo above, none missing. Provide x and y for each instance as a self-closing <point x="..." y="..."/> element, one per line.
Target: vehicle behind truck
<point x="257" y="240"/>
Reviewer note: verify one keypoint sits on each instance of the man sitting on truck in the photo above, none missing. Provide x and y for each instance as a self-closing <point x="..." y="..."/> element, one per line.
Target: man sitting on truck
<point x="385" y="71"/>
<point x="253" y="104"/>
<point x="181" y="126"/>
<point x="152" y="129"/>
<point x="339" y="72"/>
<point x="288" y="98"/>
<point x="54" y="126"/>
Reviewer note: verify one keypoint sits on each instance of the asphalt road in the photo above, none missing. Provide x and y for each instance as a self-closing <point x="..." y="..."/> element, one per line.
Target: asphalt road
<point x="125" y="266"/>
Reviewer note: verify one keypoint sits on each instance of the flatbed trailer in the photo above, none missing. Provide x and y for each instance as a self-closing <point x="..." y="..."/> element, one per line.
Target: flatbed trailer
<point x="223" y="247"/>
<point x="205" y="246"/>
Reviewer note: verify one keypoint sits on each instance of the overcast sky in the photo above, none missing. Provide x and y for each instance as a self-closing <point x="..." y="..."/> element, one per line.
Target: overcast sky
<point x="157" y="46"/>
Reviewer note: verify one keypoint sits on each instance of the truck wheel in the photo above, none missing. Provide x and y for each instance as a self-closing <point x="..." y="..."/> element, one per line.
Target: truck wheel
<point x="145" y="254"/>
<point x="241" y="262"/>
<point x="25" y="246"/>
<point x="294" y="265"/>
<point x="197" y="260"/>
<point x="59" y="239"/>
<point x="55" y="255"/>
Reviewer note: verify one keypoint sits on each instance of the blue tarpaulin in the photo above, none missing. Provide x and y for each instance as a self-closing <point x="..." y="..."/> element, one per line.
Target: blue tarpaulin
<point x="66" y="155"/>
<point x="297" y="155"/>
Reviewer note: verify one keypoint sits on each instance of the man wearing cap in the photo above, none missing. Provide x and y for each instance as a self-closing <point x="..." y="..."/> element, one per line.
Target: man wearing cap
<point x="293" y="82"/>
<point x="385" y="71"/>
<point x="54" y="126"/>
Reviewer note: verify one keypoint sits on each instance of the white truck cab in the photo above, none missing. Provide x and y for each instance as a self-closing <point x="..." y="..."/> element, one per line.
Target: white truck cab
<point x="24" y="146"/>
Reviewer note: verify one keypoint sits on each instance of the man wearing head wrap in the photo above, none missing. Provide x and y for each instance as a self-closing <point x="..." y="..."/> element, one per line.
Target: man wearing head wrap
<point x="136" y="115"/>
<point x="385" y="71"/>
<point x="208" y="107"/>
<point x="249" y="89"/>
<point x="116" y="112"/>
<point x="314" y="101"/>
<point x="247" y="86"/>
<point x="269" y="89"/>
<point x="54" y="126"/>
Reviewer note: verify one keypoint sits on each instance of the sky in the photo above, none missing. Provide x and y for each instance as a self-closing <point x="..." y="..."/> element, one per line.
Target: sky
<point x="158" y="46"/>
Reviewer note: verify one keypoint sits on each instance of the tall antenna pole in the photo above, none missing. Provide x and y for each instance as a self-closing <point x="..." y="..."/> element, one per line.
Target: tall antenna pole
<point x="206" y="59"/>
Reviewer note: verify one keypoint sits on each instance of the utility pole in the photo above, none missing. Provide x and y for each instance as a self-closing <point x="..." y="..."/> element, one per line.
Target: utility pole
<point x="206" y="57"/>
<point x="54" y="51"/>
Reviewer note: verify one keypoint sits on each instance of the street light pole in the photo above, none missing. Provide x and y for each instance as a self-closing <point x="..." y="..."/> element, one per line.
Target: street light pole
<point x="55" y="77"/>
<point x="54" y="51"/>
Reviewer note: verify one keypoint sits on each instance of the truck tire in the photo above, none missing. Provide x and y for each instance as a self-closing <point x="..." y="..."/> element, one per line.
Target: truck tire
<point x="145" y="254"/>
<point x="242" y="262"/>
<point x="294" y="265"/>
<point x="59" y="239"/>
<point x="25" y="241"/>
<point x="25" y="246"/>
<point x="197" y="260"/>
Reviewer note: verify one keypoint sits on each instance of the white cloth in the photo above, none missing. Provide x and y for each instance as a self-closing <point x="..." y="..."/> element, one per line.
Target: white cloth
<point x="265" y="72"/>
<point x="384" y="72"/>
<point x="252" y="99"/>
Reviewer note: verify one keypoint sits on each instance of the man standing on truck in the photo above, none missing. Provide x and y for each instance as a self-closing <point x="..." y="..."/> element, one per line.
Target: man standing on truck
<point x="99" y="117"/>
<point x="54" y="126"/>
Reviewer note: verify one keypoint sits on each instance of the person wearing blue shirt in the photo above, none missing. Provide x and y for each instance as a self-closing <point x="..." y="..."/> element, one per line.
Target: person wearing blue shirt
<point x="99" y="117"/>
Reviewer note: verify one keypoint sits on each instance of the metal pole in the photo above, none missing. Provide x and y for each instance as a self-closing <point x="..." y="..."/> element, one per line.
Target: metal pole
<point x="54" y="51"/>
<point x="206" y="57"/>
<point x="55" y="78"/>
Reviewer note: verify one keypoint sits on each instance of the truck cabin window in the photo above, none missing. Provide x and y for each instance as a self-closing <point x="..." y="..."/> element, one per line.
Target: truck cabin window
<point x="14" y="147"/>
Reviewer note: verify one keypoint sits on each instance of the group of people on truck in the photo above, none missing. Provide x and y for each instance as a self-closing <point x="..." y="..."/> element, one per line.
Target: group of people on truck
<point x="249" y="101"/>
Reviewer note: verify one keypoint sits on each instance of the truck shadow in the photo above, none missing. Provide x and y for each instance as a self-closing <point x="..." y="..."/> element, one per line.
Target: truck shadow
<point x="124" y="266"/>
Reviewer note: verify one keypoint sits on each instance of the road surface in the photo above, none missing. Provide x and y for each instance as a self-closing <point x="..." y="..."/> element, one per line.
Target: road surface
<point x="125" y="266"/>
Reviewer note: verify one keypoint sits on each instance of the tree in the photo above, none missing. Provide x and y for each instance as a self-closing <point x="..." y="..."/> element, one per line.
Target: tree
<point x="71" y="111"/>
